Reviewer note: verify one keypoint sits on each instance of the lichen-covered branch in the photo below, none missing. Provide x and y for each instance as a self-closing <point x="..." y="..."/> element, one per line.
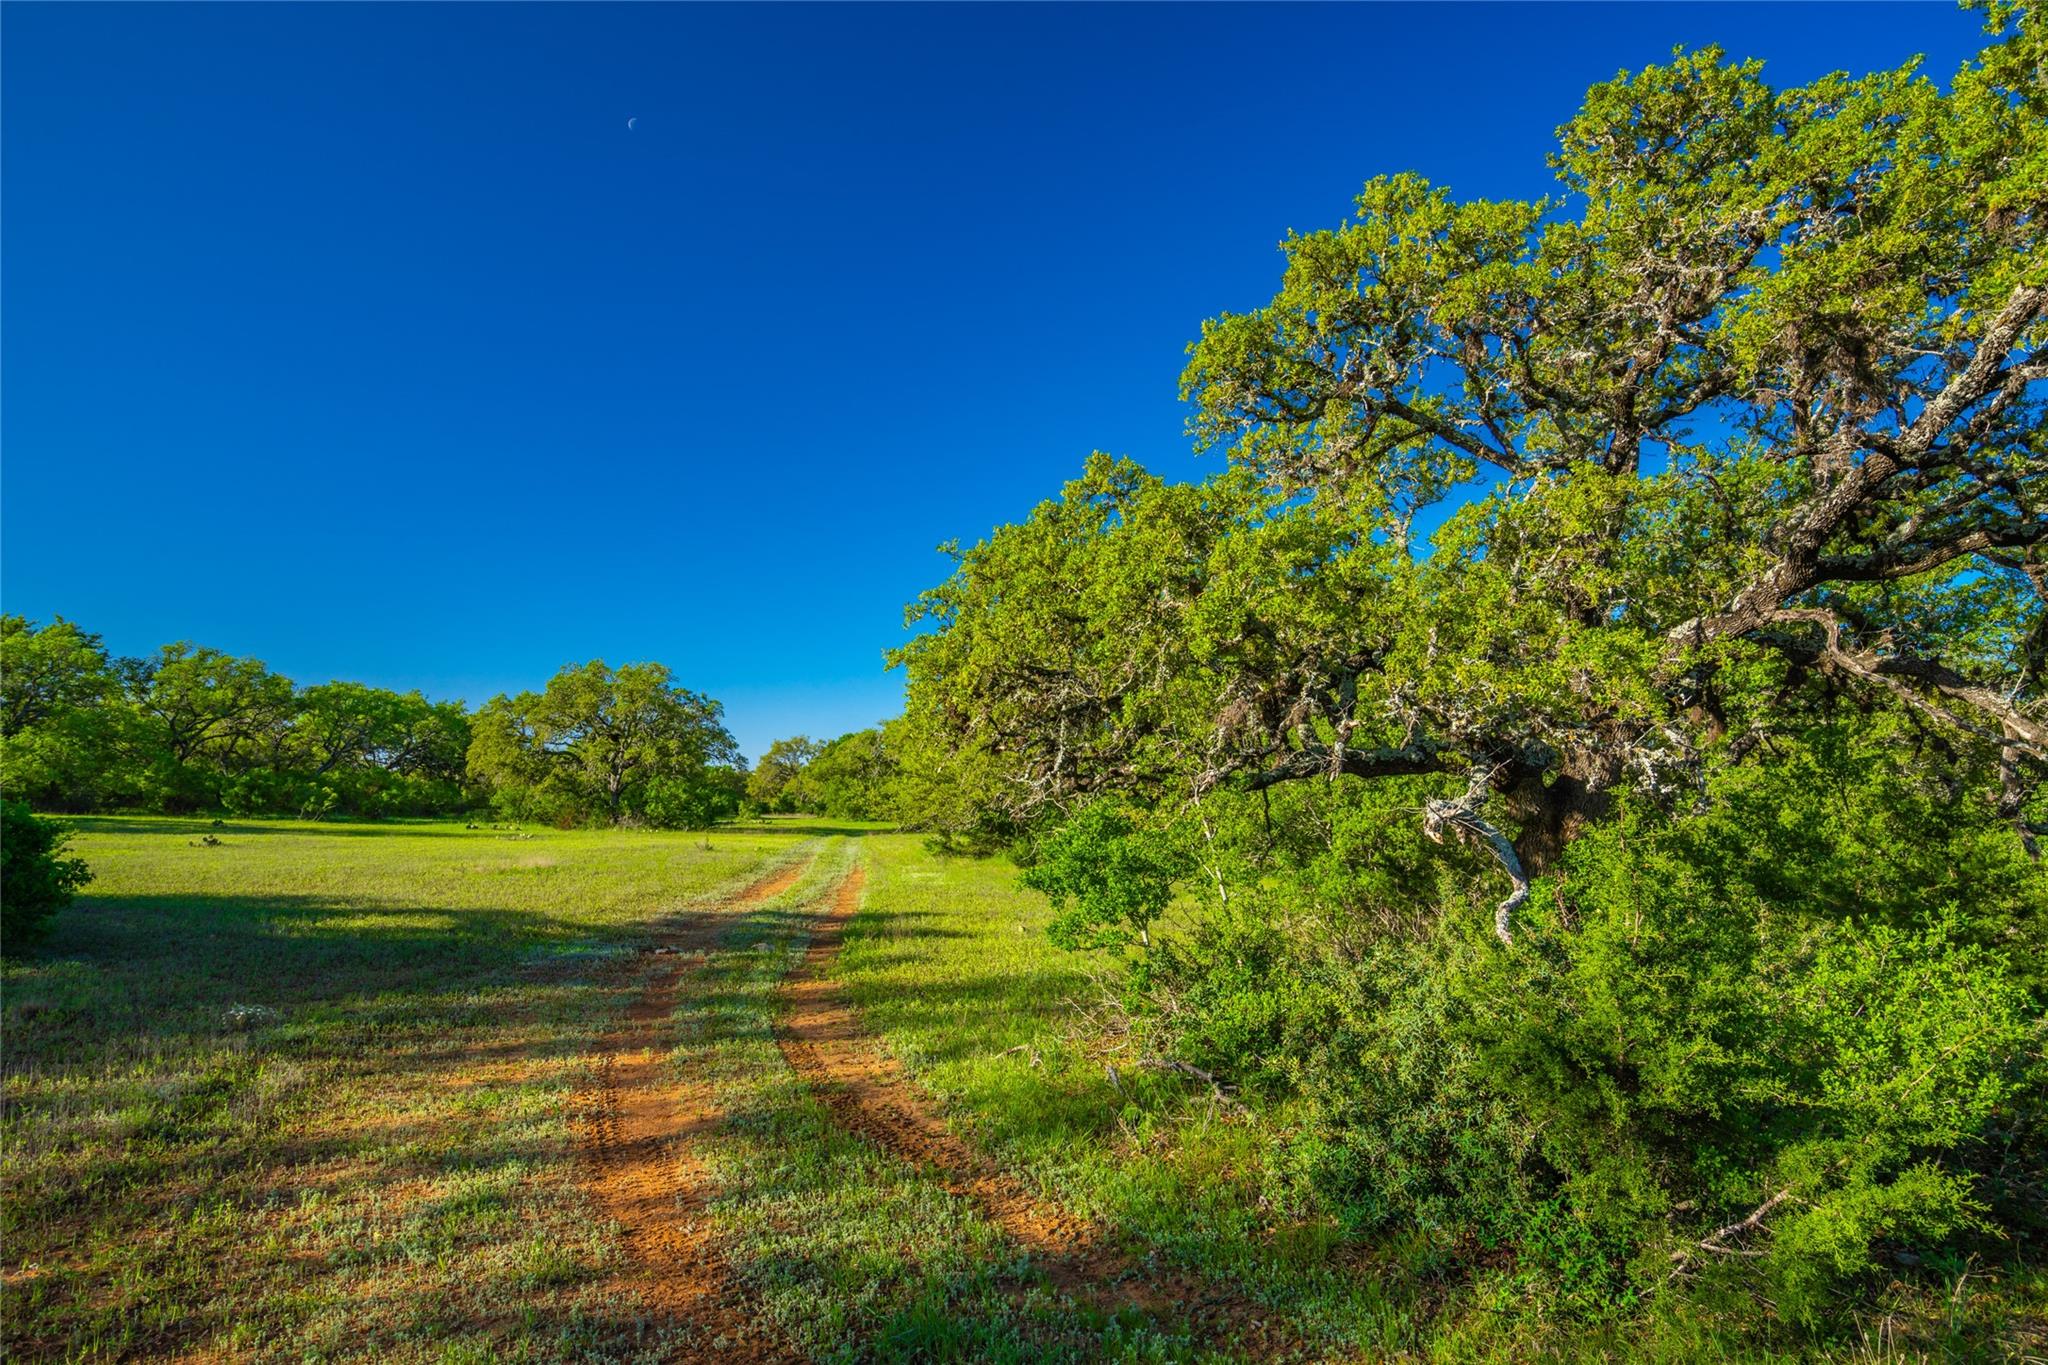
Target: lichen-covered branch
<point x="1463" y="814"/>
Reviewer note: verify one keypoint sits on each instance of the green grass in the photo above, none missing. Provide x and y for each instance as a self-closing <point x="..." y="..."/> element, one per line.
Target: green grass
<point x="949" y="963"/>
<point x="307" y="1092"/>
<point x="307" y="1095"/>
<point x="852" y="1252"/>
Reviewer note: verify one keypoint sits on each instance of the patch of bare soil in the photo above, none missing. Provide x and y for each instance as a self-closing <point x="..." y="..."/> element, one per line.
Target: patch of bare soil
<point x="641" y="1171"/>
<point x="824" y="1042"/>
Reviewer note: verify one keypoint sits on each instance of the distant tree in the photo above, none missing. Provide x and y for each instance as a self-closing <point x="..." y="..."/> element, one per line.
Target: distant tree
<point x="206" y="717"/>
<point x="47" y="670"/>
<point x="376" y="750"/>
<point x="776" y="781"/>
<point x="59" y="714"/>
<point x="428" y="739"/>
<point x="343" y="725"/>
<point x="36" y="880"/>
<point x="848" y="779"/>
<point x="193" y="728"/>
<point x="590" y="745"/>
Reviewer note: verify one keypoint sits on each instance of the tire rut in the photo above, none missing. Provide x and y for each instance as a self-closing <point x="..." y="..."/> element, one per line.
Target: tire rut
<point x="867" y="1093"/>
<point x="640" y="1169"/>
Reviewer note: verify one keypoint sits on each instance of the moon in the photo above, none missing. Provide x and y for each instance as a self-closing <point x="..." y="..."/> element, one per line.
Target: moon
<point x="631" y="121"/>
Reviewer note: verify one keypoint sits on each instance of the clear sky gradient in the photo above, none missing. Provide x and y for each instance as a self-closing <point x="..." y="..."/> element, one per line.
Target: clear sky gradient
<point x="369" y="340"/>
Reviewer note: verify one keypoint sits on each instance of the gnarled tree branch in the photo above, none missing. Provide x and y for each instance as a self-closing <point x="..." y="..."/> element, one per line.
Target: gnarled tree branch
<point x="1462" y="814"/>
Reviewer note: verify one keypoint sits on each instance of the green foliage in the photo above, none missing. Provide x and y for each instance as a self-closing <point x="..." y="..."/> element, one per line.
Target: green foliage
<point x="1821" y="986"/>
<point x="36" y="879"/>
<point x="1107" y="878"/>
<point x="942" y="789"/>
<point x="692" y="801"/>
<point x="849" y="778"/>
<point x="606" y="744"/>
<point x="193" y="728"/>
<point x="58" y="734"/>
<point x="775" y="784"/>
<point x="1639" y="880"/>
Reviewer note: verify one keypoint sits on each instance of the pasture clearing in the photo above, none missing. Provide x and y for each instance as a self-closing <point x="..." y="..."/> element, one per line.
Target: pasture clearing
<point x="797" y="1091"/>
<point x="310" y="1092"/>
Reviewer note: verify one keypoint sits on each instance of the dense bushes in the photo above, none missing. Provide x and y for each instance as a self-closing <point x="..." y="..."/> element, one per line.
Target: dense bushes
<point x="36" y="879"/>
<point x="1676" y="1033"/>
<point x="1792" y="1038"/>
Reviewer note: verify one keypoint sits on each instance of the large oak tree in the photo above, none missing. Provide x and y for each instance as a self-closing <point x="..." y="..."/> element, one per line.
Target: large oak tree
<point x="1753" y="405"/>
<point x="597" y="738"/>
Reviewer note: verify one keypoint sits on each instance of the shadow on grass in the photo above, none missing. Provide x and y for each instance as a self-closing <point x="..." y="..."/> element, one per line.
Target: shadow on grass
<point x="123" y="976"/>
<point x="189" y="825"/>
<point x="815" y="830"/>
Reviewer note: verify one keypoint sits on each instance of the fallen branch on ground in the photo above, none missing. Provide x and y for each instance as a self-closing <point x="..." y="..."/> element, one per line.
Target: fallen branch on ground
<point x="1739" y="1228"/>
<point x="1217" y="1089"/>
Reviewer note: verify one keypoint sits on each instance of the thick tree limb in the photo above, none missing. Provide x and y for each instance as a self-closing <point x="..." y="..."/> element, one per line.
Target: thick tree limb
<point x="1318" y="760"/>
<point x="1463" y="814"/>
<point x="1909" y="560"/>
<point x="1800" y="565"/>
<point x="1982" y="375"/>
<point x="2012" y="802"/>
<point x="1911" y="679"/>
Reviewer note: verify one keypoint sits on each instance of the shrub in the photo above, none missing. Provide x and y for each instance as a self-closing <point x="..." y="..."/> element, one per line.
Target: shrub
<point x="1107" y="877"/>
<point x="1813" y="999"/>
<point x="681" y="803"/>
<point x="36" y="881"/>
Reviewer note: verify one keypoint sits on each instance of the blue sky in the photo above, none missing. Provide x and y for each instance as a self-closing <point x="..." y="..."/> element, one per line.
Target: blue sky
<point x="369" y="339"/>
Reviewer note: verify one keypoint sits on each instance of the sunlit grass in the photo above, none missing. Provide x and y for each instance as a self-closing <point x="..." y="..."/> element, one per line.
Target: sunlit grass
<point x="949" y="963"/>
<point x="853" y="1252"/>
<point x="306" y="1093"/>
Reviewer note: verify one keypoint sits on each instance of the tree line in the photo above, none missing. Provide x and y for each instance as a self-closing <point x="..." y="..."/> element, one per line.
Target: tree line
<point x="1640" y="872"/>
<point x="191" y="728"/>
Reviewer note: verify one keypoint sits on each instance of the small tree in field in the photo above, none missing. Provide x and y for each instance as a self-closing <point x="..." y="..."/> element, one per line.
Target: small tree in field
<point x="36" y="880"/>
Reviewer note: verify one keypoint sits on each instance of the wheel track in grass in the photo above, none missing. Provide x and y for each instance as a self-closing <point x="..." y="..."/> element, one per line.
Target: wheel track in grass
<point x="867" y="1092"/>
<point x="639" y="1166"/>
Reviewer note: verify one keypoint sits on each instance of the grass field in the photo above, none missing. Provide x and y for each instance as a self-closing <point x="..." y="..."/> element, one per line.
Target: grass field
<point x="306" y="1093"/>
<point x="312" y="1093"/>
